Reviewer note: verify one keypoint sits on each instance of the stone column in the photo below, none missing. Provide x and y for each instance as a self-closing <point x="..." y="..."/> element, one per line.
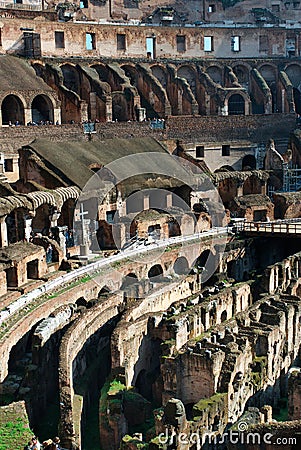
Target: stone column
<point x="145" y="202"/>
<point x="27" y="227"/>
<point x="27" y="115"/>
<point x="169" y="200"/>
<point x="54" y="217"/>
<point x="3" y="232"/>
<point x="57" y="115"/>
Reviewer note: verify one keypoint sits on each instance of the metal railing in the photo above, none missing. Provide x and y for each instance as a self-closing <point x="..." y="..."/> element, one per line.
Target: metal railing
<point x="5" y="5"/>
<point x="289" y="226"/>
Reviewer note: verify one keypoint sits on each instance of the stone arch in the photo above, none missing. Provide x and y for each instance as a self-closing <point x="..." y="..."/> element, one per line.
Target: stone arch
<point x="225" y="168"/>
<point x="216" y="74"/>
<point x="243" y="75"/>
<point x="81" y="301"/>
<point x="155" y="272"/>
<point x="181" y="266"/>
<point x="160" y="73"/>
<point x="42" y="108"/>
<point x="71" y="78"/>
<point x="189" y="74"/>
<point x="128" y="280"/>
<point x="40" y="222"/>
<point x="269" y="73"/>
<point x="12" y="109"/>
<point x="236" y="105"/>
<point x="248" y="162"/>
<point x="252" y="185"/>
<point x="120" y="111"/>
<point x="293" y="71"/>
<point x="67" y="213"/>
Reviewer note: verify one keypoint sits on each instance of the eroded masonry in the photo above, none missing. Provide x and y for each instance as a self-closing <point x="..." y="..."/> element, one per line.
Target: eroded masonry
<point x="150" y="224"/>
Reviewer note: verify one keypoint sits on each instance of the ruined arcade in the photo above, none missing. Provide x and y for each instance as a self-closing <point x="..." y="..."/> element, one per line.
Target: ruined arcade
<point x="150" y="224"/>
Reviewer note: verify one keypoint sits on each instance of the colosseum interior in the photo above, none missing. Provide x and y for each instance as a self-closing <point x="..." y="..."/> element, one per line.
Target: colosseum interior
<point x="150" y="224"/>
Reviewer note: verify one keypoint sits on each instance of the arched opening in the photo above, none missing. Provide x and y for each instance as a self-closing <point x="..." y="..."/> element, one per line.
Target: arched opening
<point x="104" y="292"/>
<point x="128" y="280"/>
<point x="81" y="302"/>
<point x="249" y="162"/>
<point x="224" y="316"/>
<point x="42" y="109"/>
<point x="216" y="74"/>
<point x="174" y="228"/>
<point x="189" y="75"/>
<point x="160" y="74"/>
<point x="40" y="222"/>
<point x="15" y="225"/>
<point x="12" y="110"/>
<point x="181" y="266"/>
<point x="242" y="74"/>
<point x="252" y="185"/>
<point x="236" y="105"/>
<point x="155" y="273"/>
<point x="119" y="107"/>
<point x="71" y="78"/>
<point x="269" y="74"/>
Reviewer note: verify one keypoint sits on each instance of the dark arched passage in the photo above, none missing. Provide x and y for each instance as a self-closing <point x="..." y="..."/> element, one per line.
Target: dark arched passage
<point x="42" y="109"/>
<point x="12" y="110"/>
<point x="181" y="266"/>
<point x="155" y="272"/>
<point x="236" y="105"/>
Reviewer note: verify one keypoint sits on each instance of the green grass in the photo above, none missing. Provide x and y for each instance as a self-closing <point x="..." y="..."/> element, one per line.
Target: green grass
<point x="14" y="435"/>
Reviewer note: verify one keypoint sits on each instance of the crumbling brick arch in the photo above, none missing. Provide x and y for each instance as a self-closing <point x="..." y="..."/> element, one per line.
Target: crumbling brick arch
<point x="160" y="73"/>
<point x="242" y="72"/>
<point x="71" y="78"/>
<point x="270" y="74"/>
<point x="252" y="185"/>
<point x="216" y="73"/>
<point x="189" y="73"/>
<point x="293" y="71"/>
<point x="12" y="109"/>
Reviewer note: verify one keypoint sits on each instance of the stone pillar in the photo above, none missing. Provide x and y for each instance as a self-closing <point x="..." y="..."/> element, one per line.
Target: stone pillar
<point x="57" y="115"/>
<point x="145" y="202"/>
<point x="62" y="239"/>
<point x="3" y="232"/>
<point x="109" y="108"/>
<point x="54" y="218"/>
<point x="27" y="115"/>
<point x="169" y="200"/>
<point x="141" y="113"/>
<point x="27" y="227"/>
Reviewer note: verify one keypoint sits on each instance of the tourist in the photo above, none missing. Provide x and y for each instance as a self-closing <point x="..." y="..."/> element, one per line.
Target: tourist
<point x="57" y="441"/>
<point x="35" y="444"/>
<point x="28" y="446"/>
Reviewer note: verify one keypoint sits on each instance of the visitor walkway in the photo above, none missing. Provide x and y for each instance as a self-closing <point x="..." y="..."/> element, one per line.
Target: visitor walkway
<point x="278" y="228"/>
